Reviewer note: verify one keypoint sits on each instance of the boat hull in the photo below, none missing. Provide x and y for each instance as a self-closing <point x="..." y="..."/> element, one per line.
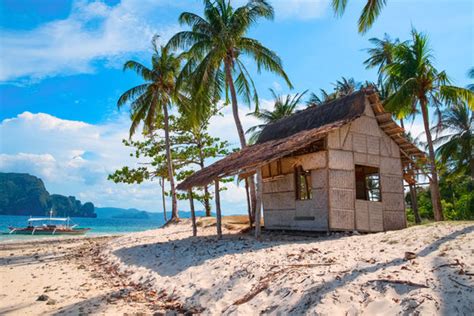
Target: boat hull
<point x="52" y="232"/>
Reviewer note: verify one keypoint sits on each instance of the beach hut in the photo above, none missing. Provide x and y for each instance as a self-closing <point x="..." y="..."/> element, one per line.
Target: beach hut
<point x="339" y="166"/>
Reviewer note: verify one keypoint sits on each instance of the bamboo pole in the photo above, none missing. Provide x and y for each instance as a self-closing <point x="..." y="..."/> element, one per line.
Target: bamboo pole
<point x="193" y="213"/>
<point x="218" y="209"/>
<point x="258" y="204"/>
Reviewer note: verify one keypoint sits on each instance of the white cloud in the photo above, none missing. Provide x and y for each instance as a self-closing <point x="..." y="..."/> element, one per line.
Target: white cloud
<point x="92" y="32"/>
<point x="74" y="158"/>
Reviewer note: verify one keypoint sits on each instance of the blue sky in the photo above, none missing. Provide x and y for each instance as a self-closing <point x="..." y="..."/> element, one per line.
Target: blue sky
<point x="60" y="62"/>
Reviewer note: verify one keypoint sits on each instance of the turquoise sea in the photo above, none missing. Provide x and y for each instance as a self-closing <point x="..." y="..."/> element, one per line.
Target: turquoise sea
<point x="99" y="226"/>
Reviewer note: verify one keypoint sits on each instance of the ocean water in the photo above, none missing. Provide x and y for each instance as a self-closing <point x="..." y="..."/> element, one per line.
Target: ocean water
<point x="99" y="226"/>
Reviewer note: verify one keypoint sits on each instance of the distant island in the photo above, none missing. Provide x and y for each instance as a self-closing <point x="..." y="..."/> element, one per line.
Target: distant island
<point x="24" y="194"/>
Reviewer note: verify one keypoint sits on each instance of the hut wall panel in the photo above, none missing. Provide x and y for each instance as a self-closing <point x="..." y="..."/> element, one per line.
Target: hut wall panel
<point x="283" y="184"/>
<point x="313" y="161"/>
<point x="393" y="201"/>
<point x="369" y="111"/>
<point x="393" y="184"/>
<point x="306" y="208"/>
<point x="279" y="219"/>
<point x="390" y="166"/>
<point x="287" y="165"/>
<point x="334" y="139"/>
<point x="360" y="159"/>
<point x="385" y="146"/>
<point x="319" y="178"/>
<point x="373" y="145"/>
<point x="344" y="179"/>
<point x="320" y="200"/>
<point x="279" y="200"/>
<point x="274" y="168"/>
<point x="342" y="198"/>
<point x="359" y="143"/>
<point x="344" y="133"/>
<point x="395" y="149"/>
<point x="394" y="220"/>
<point x="341" y="219"/>
<point x="265" y="172"/>
<point x="373" y="160"/>
<point x="339" y="159"/>
<point x="346" y="138"/>
<point x="362" y="215"/>
<point x="366" y="125"/>
<point x="376" y="216"/>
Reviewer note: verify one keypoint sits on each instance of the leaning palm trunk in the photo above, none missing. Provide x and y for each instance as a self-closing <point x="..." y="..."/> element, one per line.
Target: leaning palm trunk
<point x="240" y="131"/>
<point x="434" y="184"/>
<point x="174" y="203"/>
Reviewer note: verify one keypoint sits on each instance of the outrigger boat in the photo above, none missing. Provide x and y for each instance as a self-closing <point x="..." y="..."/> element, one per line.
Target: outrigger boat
<point x="49" y="226"/>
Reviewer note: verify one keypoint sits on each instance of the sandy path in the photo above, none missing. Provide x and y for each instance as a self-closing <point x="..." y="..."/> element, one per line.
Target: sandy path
<point x="66" y="271"/>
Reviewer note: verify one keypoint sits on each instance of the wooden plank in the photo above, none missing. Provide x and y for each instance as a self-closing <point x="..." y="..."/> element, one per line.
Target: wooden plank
<point x="395" y="130"/>
<point x="388" y="124"/>
<point x="383" y="116"/>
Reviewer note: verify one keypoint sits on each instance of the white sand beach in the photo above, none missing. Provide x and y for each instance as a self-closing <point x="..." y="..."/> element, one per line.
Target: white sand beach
<point x="425" y="269"/>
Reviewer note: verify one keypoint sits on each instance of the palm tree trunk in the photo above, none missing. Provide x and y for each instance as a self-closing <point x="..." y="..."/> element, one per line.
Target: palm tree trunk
<point x="174" y="202"/>
<point x="240" y="130"/>
<point x="162" y="182"/>
<point x="218" y="209"/>
<point x="193" y="214"/>
<point x="207" y="204"/>
<point x="434" y="184"/>
<point x="414" y="203"/>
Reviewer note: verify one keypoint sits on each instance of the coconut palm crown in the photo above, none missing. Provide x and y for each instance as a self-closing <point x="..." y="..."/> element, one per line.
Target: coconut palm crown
<point x="215" y="46"/>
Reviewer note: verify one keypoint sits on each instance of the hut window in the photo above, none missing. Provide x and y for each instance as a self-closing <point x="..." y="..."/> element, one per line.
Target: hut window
<point x="302" y="183"/>
<point x="367" y="183"/>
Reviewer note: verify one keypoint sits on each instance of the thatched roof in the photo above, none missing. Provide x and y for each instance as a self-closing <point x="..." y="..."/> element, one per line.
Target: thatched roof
<point x="296" y="132"/>
<point x="341" y="109"/>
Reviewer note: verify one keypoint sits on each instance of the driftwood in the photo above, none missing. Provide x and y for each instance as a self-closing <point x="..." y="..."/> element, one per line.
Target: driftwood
<point x="404" y="282"/>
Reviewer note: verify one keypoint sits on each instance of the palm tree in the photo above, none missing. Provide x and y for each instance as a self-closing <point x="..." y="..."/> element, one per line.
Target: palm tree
<point x="416" y="82"/>
<point x="283" y="107"/>
<point x="455" y="138"/>
<point x="370" y="12"/>
<point x="151" y="100"/>
<point x="215" y="46"/>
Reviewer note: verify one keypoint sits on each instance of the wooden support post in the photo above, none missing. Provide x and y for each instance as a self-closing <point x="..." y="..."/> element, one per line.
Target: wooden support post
<point x="218" y="209"/>
<point x="258" y="204"/>
<point x="193" y="214"/>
